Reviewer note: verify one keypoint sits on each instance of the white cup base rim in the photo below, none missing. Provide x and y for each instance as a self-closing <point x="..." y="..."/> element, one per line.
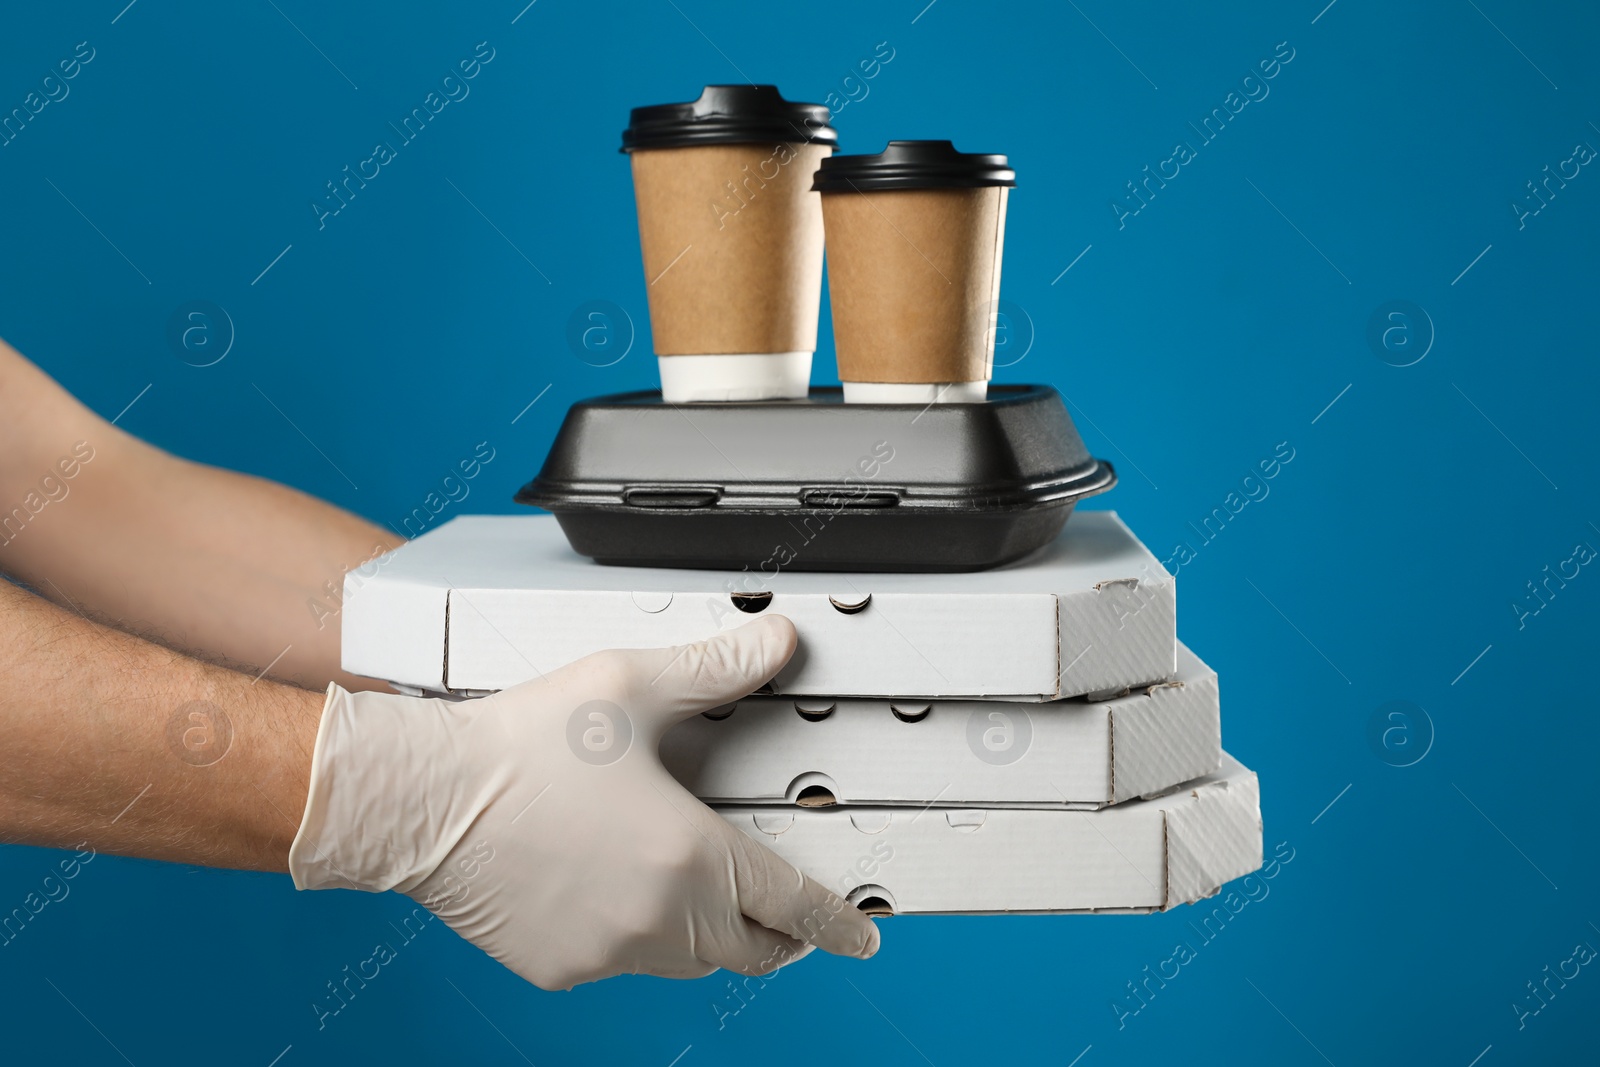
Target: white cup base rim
<point x="735" y="376"/>
<point x="915" y="392"/>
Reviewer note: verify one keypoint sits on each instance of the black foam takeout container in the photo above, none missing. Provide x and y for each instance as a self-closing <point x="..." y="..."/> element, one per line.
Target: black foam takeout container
<point x="816" y="484"/>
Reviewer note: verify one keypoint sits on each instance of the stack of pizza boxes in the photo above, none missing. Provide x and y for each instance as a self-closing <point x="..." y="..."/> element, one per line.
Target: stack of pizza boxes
<point x="1027" y="738"/>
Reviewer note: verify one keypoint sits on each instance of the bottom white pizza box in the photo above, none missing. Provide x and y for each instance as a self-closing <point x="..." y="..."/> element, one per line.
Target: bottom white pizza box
<point x="958" y="753"/>
<point x="1139" y="856"/>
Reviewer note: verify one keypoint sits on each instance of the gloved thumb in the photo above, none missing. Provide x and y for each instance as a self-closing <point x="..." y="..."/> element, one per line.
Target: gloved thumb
<point x="671" y="684"/>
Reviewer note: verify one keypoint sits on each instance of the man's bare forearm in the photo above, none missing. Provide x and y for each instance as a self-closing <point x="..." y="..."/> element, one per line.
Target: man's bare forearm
<point x="216" y="563"/>
<point x="138" y="750"/>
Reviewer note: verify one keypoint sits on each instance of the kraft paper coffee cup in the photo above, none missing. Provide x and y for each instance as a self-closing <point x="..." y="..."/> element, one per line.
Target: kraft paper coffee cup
<point x="731" y="232"/>
<point x="915" y="239"/>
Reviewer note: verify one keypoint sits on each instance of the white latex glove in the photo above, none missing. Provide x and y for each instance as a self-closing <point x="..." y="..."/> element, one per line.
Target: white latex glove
<point x="541" y="826"/>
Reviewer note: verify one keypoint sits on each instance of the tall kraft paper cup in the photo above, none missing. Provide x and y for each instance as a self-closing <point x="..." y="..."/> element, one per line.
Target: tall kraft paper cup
<point x="915" y="240"/>
<point x="731" y="233"/>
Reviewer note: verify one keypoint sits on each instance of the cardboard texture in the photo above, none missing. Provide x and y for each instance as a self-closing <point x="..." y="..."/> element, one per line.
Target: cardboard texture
<point x="1140" y="856"/>
<point x="732" y="243"/>
<point x="1066" y="754"/>
<point x="914" y="280"/>
<point x="486" y="601"/>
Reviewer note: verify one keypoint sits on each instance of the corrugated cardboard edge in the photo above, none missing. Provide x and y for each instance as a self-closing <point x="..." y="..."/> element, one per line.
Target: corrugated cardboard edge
<point x="1111" y="754"/>
<point x="1144" y="609"/>
<point x="1060" y="667"/>
<point x="1213" y="835"/>
<point x="1159" y="748"/>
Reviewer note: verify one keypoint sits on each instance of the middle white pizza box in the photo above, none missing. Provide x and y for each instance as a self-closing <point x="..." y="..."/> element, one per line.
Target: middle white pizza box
<point x="1144" y="855"/>
<point x="956" y="753"/>
<point x="486" y="601"/>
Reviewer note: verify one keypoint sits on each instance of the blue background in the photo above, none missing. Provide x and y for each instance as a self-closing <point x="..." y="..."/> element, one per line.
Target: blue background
<point x="1191" y="341"/>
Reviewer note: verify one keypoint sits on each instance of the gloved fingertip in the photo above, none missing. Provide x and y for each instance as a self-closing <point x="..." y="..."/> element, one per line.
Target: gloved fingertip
<point x="778" y="640"/>
<point x="874" y="940"/>
<point x="778" y="636"/>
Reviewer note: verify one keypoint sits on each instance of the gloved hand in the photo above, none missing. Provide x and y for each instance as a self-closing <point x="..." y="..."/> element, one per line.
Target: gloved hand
<point x="541" y="826"/>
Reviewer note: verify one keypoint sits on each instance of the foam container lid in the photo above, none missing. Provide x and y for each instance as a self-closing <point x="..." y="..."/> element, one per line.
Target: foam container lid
<point x="817" y="484"/>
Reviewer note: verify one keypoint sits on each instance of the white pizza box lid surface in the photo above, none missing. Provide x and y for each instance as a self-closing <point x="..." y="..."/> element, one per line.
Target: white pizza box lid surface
<point x="1139" y="856"/>
<point x="486" y="601"/>
<point x="1078" y="753"/>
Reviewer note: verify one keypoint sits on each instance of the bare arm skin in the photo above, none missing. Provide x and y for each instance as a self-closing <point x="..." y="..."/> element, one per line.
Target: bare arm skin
<point x="219" y="564"/>
<point x="138" y="750"/>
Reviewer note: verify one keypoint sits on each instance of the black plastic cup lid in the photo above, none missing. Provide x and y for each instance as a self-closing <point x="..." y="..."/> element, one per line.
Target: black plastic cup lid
<point x="913" y="165"/>
<point x="729" y="114"/>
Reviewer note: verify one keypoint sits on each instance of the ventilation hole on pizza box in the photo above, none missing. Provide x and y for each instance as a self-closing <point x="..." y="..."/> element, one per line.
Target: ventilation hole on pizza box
<point x="911" y="712"/>
<point x="816" y="796"/>
<point x="873" y="900"/>
<point x="813" y="710"/>
<point x="753" y="603"/>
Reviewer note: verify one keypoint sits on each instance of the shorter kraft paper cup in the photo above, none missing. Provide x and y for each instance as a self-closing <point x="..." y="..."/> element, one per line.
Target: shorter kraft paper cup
<point x="915" y="235"/>
<point x="732" y="240"/>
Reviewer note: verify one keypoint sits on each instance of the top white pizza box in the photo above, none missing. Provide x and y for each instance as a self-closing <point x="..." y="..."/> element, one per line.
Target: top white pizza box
<point x="486" y="601"/>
